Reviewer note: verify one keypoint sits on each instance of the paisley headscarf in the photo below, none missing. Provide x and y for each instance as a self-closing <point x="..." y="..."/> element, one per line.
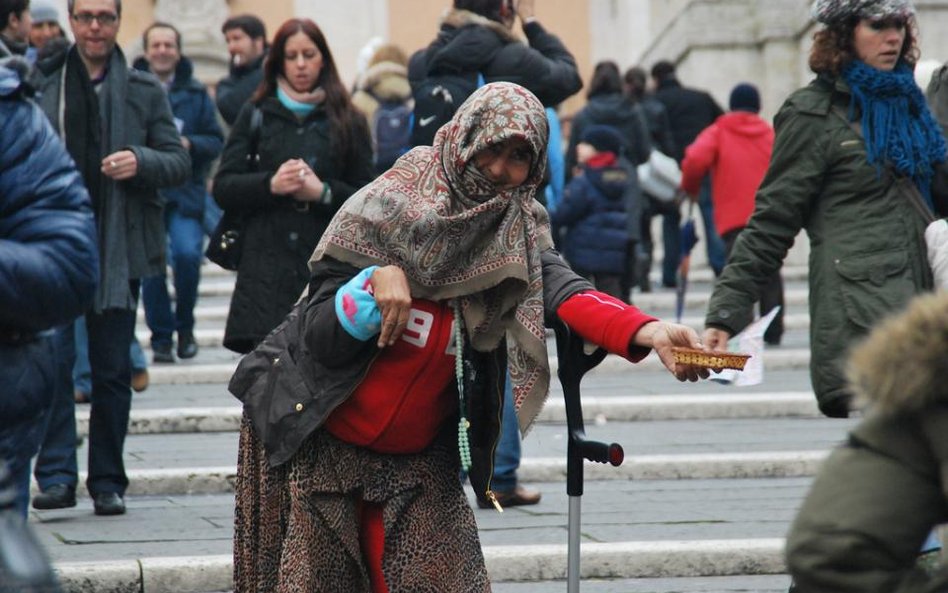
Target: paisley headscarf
<point x="458" y="236"/>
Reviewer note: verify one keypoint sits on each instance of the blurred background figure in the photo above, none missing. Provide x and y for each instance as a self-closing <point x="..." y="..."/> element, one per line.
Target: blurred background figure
<point x="246" y="37"/>
<point x="49" y="267"/>
<point x="383" y="95"/>
<point x="314" y="152"/>
<point x="593" y="212"/>
<point x="735" y="152"/>
<point x="689" y="112"/>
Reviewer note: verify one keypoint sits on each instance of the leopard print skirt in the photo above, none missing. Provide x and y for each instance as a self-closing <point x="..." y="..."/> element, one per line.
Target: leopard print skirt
<point x="296" y="526"/>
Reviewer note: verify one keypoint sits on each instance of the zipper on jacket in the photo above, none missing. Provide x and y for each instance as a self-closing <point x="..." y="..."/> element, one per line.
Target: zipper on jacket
<point x="493" y="450"/>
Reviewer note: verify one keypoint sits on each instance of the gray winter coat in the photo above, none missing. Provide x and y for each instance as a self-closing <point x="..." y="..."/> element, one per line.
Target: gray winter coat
<point x="130" y="223"/>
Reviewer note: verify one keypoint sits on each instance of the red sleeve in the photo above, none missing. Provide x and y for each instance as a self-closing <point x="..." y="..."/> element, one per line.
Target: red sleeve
<point x="605" y="321"/>
<point x="699" y="157"/>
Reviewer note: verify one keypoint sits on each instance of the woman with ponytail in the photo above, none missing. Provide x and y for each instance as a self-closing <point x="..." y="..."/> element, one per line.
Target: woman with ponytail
<point x="856" y="163"/>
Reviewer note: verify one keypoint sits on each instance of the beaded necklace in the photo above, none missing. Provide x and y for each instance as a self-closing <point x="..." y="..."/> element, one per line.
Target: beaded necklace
<point x="464" y="447"/>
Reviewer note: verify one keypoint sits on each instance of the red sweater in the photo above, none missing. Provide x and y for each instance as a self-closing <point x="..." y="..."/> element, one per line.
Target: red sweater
<point x="404" y="399"/>
<point x="735" y="149"/>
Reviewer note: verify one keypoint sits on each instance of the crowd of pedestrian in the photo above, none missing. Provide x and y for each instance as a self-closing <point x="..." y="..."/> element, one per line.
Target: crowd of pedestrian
<point x="397" y="230"/>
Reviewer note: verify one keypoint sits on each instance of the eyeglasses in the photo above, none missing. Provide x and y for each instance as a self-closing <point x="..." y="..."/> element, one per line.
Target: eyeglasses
<point x="105" y="19"/>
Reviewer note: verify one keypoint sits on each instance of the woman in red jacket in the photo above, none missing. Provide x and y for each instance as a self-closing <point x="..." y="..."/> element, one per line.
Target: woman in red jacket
<point x="736" y="149"/>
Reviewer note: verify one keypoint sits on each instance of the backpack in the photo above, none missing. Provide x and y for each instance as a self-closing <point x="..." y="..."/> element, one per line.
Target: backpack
<point x="391" y="133"/>
<point x="436" y="99"/>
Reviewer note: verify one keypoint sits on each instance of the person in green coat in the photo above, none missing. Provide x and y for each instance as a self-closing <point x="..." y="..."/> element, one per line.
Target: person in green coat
<point x="855" y="162"/>
<point x="879" y="495"/>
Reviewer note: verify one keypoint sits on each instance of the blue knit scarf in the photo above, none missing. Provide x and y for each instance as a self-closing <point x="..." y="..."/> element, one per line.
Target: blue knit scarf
<point x="898" y="127"/>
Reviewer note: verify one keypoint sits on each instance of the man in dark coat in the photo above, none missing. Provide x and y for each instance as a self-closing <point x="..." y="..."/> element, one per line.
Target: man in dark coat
<point x="49" y="266"/>
<point x="689" y="111"/>
<point x="184" y="209"/>
<point x="118" y="128"/>
<point x="476" y="36"/>
<point x="246" y="38"/>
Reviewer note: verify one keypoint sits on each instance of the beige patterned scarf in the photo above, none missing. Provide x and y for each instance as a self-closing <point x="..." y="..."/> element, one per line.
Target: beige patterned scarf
<point x="456" y="235"/>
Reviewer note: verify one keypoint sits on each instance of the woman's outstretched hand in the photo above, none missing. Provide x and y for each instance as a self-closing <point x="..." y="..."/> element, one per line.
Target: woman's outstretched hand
<point x="393" y="298"/>
<point x="662" y="337"/>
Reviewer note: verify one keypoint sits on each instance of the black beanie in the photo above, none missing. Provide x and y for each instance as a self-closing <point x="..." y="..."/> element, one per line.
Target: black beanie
<point x="745" y="97"/>
<point x="603" y="139"/>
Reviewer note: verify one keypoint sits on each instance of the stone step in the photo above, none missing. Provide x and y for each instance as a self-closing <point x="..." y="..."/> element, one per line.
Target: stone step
<point x="692" y="466"/>
<point x="619" y="408"/>
<point x="187" y="372"/>
<point x="631" y="559"/>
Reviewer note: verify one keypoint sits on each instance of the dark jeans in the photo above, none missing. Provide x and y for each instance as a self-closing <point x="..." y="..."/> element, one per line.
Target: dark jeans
<point x="507" y="455"/>
<point x="110" y="336"/>
<point x="186" y="243"/>
<point x="671" y="238"/>
<point x="20" y="440"/>
<point x="713" y="243"/>
<point x="771" y="295"/>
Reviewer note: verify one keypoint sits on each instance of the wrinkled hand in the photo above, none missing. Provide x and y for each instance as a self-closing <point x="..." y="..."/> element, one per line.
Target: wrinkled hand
<point x="120" y="165"/>
<point x="662" y="337"/>
<point x="393" y="297"/>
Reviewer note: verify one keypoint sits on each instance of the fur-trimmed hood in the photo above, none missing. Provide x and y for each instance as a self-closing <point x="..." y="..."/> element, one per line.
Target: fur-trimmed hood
<point x="386" y="81"/>
<point x="462" y="18"/>
<point x="903" y="365"/>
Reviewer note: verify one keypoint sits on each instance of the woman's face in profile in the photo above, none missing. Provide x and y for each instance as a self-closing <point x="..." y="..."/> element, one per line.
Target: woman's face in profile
<point x="506" y="164"/>
<point x="302" y="62"/>
<point x="878" y="43"/>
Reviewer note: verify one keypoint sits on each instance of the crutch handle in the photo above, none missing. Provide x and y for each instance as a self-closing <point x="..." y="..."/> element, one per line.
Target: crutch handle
<point x="599" y="452"/>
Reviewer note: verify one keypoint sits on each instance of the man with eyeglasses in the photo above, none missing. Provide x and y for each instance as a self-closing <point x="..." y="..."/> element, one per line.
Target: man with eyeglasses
<point x="118" y="127"/>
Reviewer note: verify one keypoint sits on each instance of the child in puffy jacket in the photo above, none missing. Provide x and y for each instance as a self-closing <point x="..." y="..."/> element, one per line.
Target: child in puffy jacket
<point x="593" y="212"/>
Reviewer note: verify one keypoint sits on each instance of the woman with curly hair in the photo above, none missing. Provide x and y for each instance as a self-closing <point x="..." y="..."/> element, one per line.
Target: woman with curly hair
<point x="856" y="163"/>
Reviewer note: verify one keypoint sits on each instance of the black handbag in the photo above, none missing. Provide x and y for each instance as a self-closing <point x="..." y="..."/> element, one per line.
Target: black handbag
<point x="224" y="248"/>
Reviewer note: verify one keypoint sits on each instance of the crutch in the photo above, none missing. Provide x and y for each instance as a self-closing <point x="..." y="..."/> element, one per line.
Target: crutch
<point x="573" y="364"/>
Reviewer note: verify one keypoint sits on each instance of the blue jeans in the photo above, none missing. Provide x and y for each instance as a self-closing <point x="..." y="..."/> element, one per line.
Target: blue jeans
<point x="110" y="336"/>
<point x="82" y="374"/>
<point x="507" y="455"/>
<point x="713" y="242"/>
<point x="20" y="440"/>
<point x="186" y="244"/>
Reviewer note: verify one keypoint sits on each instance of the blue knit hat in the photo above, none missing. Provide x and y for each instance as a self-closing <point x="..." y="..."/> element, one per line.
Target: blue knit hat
<point x="744" y="97"/>
<point x="830" y="12"/>
<point x="603" y="138"/>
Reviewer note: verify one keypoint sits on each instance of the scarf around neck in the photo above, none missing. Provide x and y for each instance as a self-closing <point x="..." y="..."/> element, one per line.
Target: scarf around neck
<point x="457" y="236"/>
<point x="897" y="125"/>
<point x="297" y="102"/>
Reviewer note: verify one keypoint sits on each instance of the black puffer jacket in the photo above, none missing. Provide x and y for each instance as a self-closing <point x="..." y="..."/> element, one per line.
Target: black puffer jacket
<point x="281" y="233"/>
<point x="471" y="43"/>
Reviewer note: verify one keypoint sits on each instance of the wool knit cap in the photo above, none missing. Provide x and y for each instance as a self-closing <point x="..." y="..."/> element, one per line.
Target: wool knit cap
<point x="744" y="97"/>
<point x="834" y="11"/>
<point x="42" y="12"/>
<point x="603" y="139"/>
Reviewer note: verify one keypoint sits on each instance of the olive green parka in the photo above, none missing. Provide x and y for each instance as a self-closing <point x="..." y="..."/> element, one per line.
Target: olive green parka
<point x="867" y="251"/>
